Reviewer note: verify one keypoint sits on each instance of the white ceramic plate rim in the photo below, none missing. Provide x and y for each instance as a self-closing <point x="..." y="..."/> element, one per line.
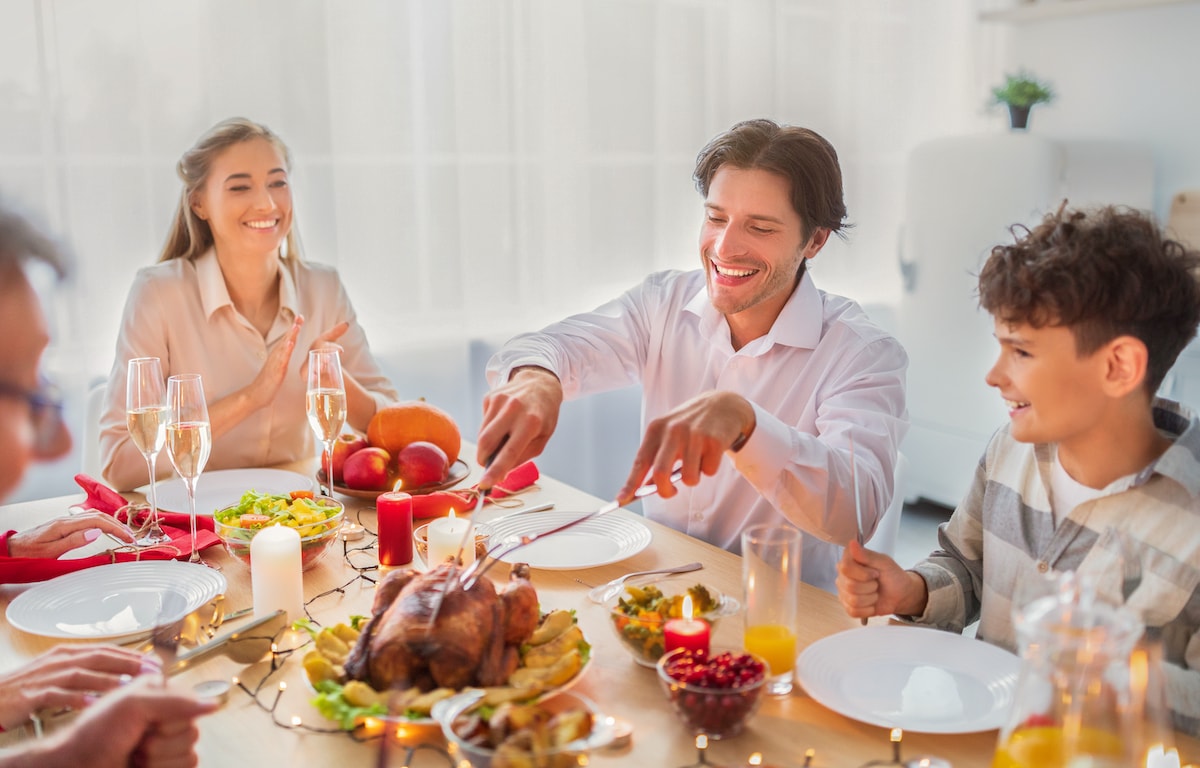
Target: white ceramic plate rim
<point x="829" y="668"/>
<point x="625" y="537"/>
<point x="38" y="610"/>
<point x="223" y="487"/>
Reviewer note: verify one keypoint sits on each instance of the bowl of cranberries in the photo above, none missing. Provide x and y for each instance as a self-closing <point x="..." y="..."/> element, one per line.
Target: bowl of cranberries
<point x="713" y="692"/>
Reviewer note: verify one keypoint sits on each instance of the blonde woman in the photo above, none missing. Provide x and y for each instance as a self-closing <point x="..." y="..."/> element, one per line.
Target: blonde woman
<point x="233" y="300"/>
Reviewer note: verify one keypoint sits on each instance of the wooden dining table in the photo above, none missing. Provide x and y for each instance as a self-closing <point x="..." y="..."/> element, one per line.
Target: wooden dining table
<point x="280" y="727"/>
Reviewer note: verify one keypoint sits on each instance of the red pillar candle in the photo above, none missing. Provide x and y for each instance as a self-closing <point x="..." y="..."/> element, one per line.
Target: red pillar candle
<point x="395" y="528"/>
<point x="686" y="632"/>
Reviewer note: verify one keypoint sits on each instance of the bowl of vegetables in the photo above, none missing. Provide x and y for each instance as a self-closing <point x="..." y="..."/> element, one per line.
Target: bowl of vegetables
<point x="639" y="613"/>
<point x="316" y="518"/>
<point x="561" y="730"/>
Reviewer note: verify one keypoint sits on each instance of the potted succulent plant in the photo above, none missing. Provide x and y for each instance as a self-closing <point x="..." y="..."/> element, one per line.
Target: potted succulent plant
<point x="1020" y="92"/>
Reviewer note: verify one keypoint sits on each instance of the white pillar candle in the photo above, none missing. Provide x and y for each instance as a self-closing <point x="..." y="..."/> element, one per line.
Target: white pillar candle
<point x="275" y="572"/>
<point x="446" y="536"/>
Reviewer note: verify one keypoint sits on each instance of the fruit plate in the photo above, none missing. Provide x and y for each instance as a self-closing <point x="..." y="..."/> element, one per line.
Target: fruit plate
<point x="332" y="704"/>
<point x="458" y="472"/>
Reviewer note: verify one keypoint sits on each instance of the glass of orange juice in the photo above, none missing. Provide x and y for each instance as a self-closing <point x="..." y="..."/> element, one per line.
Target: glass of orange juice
<point x="771" y="579"/>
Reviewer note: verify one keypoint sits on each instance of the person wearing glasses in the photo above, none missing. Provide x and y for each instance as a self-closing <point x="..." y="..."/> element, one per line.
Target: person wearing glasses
<point x="126" y="708"/>
<point x="233" y="299"/>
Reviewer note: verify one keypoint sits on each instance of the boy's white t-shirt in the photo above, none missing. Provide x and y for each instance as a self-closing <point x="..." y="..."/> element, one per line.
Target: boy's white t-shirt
<point x="1066" y="492"/>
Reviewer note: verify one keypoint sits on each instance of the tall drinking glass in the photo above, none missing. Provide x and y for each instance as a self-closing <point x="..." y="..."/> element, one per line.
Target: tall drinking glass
<point x="771" y="578"/>
<point x="326" y="403"/>
<point x="146" y="414"/>
<point x="189" y="438"/>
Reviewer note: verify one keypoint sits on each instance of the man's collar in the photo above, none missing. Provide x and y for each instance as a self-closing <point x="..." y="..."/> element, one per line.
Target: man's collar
<point x="798" y="324"/>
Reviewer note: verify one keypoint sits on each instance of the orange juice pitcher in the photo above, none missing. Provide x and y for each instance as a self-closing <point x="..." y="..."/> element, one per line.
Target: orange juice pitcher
<point x="1073" y="702"/>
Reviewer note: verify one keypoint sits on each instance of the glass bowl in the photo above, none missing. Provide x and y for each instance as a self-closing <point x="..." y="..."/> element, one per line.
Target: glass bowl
<point x="315" y="539"/>
<point x="640" y="630"/>
<point x="714" y="693"/>
<point x="465" y="732"/>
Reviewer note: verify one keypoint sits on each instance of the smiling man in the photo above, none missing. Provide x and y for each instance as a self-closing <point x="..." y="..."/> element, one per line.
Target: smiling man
<point x="742" y="359"/>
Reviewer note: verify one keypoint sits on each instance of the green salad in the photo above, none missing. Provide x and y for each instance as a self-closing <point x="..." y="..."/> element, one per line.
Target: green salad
<point x="298" y="509"/>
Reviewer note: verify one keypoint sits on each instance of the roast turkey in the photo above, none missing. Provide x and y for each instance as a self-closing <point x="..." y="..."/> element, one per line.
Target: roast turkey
<point x="473" y="641"/>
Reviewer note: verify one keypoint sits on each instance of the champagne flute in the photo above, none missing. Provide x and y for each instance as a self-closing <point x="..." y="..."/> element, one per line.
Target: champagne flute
<point x="326" y="403"/>
<point x="146" y="415"/>
<point x="189" y="438"/>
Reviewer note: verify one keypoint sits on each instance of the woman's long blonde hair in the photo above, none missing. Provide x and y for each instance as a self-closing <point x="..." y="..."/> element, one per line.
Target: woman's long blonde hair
<point x="190" y="235"/>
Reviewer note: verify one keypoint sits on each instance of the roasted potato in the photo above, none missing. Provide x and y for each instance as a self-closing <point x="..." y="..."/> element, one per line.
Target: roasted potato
<point x="553" y="625"/>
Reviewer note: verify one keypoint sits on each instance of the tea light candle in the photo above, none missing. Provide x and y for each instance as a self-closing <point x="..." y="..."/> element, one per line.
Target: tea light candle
<point x="275" y="574"/>
<point x="686" y="632"/>
<point x="395" y="528"/>
<point x="1159" y="757"/>
<point x="352" y="532"/>
<point x="446" y="534"/>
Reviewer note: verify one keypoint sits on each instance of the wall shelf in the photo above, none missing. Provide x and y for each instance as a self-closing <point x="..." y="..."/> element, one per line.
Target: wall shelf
<point x="1044" y="10"/>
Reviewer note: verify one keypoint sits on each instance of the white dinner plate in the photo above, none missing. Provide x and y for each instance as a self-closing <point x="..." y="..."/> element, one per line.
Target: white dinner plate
<point x="111" y="601"/>
<point x="223" y="487"/>
<point x="607" y="539"/>
<point x="915" y="678"/>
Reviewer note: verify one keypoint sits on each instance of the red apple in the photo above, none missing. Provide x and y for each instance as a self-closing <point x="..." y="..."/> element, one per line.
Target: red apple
<point x="346" y="444"/>
<point x="422" y="463"/>
<point x="367" y="470"/>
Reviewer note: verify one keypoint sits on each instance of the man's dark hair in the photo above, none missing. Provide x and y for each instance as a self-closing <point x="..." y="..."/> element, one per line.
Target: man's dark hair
<point x="801" y="156"/>
<point x="1103" y="273"/>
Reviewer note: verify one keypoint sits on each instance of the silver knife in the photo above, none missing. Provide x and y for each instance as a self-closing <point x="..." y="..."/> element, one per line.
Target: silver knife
<point x="473" y="573"/>
<point x="245" y="645"/>
<point x="857" y="506"/>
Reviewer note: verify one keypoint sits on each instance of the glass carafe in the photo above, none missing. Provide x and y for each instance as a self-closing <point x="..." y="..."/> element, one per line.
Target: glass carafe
<point x="1074" y="705"/>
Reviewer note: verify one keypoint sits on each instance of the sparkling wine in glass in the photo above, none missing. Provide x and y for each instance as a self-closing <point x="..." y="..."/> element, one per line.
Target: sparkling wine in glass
<point x="146" y="415"/>
<point x="189" y="438"/>
<point x="326" y="403"/>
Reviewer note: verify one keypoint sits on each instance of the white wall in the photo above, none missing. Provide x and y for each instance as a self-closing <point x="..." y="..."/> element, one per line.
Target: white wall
<point x="1124" y="75"/>
<point x="472" y="167"/>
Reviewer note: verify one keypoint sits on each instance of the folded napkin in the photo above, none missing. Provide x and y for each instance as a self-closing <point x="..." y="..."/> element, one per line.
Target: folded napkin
<point x="105" y="499"/>
<point x="439" y="503"/>
<point x="21" y="570"/>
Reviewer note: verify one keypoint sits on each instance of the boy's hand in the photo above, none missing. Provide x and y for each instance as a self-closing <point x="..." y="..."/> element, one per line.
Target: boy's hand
<point x="873" y="584"/>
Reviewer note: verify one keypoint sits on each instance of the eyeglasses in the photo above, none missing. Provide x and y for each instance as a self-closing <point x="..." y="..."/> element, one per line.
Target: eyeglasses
<point x="45" y="411"/>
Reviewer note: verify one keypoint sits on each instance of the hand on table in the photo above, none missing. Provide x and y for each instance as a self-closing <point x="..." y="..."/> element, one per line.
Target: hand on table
<point x="694" y="437"/>
<point x="68" y="676"/>
<point x="525" y="410"/>
<point x="63" y="534"/>
<point x="144" y="724"/>
<point x="873" y="584"/>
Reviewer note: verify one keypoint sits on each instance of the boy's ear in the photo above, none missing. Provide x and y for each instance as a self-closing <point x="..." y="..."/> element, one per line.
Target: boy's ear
<point x="1127" y="358"/>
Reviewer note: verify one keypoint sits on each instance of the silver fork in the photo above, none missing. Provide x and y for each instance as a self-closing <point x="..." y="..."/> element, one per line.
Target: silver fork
<point x="1131" y="567"/>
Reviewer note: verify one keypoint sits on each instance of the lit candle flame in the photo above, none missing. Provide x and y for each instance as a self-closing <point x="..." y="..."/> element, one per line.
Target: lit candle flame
<point x="450" y="514"/>
<point x="686" y="611"/>
<point x="398" y="485"/>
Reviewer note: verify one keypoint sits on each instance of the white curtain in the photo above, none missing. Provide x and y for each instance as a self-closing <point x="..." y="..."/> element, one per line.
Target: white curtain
<point x="472" y="167"/>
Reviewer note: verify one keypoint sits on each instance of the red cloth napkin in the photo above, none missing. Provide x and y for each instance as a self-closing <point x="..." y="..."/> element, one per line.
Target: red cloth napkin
<point x="439" y="503"/>
<point x="105" y="499"/>
<point x="21" y="570"/>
